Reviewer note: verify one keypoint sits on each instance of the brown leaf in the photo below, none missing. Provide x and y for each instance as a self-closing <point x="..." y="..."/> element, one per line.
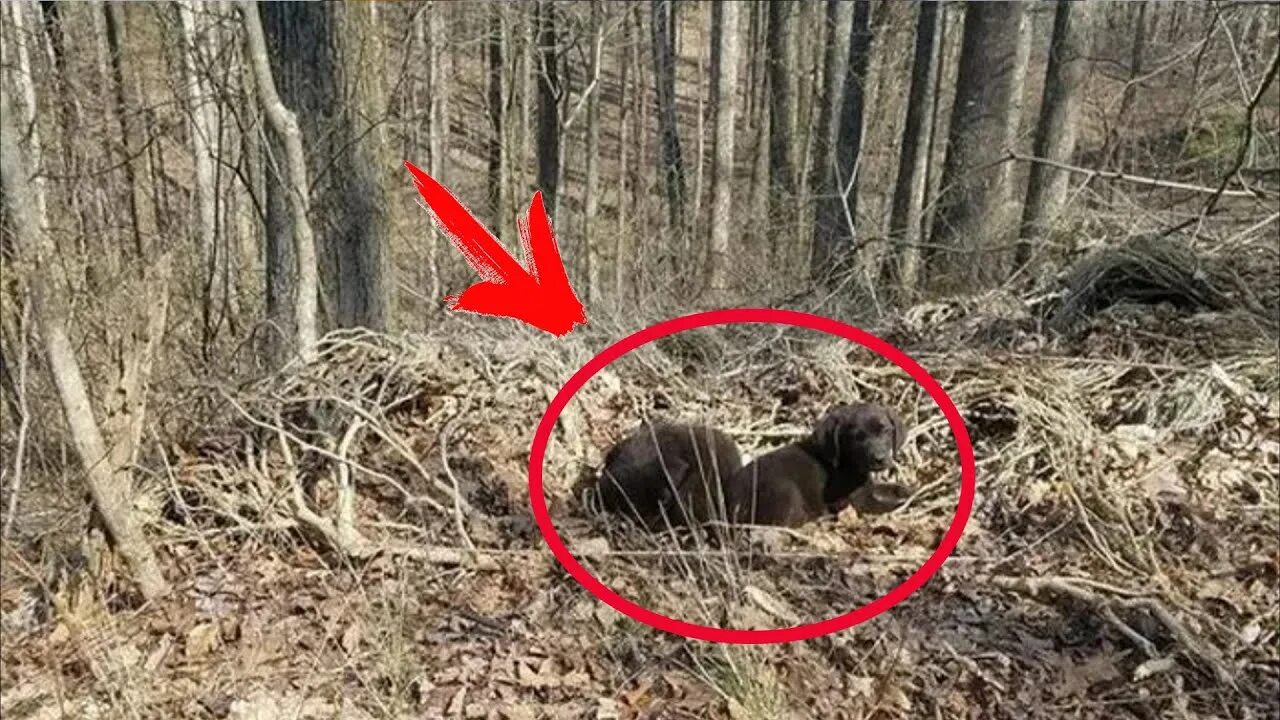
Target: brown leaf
<point x="158" y="655"/>
<point x="202" y="640"/>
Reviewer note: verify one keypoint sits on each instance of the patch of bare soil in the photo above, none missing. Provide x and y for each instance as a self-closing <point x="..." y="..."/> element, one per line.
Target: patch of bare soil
<point x="354" y="541"/>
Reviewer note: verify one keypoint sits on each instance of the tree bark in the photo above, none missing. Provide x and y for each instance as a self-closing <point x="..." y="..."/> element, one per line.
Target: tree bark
<point x="548" y="109"/>
<point x="497" y="144"/>
<point x="1056" y="129"/>
<point x="672" y="161"/>
<point x="285" y="126"/>
<point x="782" y="181"/>
<point x="132" y="128"/>
<point x="209" y="274"/>
<point x="591" y="192"/>
<point x="327" y="60"/>
<point x="627" y="119"/>
<point x="24" y="80"/>
<point x="109" y="481"/>
<point x="758" y="115"/>
<point x="439" y="82"/>
<point x="905" y="217"/>
<point x="724" y="79"/>
<point x="823" y="169"/>
<point x="974" y="221"/>
<point x="837" y="207"/>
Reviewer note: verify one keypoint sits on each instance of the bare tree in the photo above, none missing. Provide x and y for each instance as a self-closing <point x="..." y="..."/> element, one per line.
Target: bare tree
<point x="209" y="276"/>
<point x="724" y="81"/>
<point x="905" y="218"/>
<point x="439" y="88"/>
<point x="626" y="119"/>
<point x="976" y="217"/>
<point x="548" y="108"/>
<point x="591" y="191"/>
<point x="285" y="126"/>
<point x="497" y="142"/>
<point x="781" y="66"/>
<point x="132" y="128"/>
<point x="24" y="80"/>
<point x="107" y="461"/>
<point x="328" y="62"/>
<point x="672" y="161"/>
<point x="829" y="95"/>
<point x="1057" y="127"/>
<point x="833" y="225"/>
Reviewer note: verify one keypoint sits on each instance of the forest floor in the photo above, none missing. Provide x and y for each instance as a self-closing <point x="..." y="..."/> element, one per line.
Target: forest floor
<point x="1122" y="558"/>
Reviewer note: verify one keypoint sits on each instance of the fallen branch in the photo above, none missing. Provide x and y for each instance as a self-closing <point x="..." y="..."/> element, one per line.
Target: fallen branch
<point x="1106" y="606"/>
<point x="1136" y="179"/>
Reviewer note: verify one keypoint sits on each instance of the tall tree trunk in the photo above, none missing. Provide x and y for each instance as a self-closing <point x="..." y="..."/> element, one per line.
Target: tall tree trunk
<point x="109" y="481"/>
<point x="1056" y="130"/>
<point x="758" y="115"/>
<point x="591" y="192"/>
<point x="823" y="167"/>
<point x="621" y="254"/>
<point x="782" y="181"/>
<point x="431" y="31"/>
<point x="905" y="221"/>
<point x="946" y="55"/>
<point x="132" y="129"/>
<point x="724" y="80"/>
<point x="439" y="82"/>
<point x="328" y="62"/>
<point x="209" y="275"/>
<point x="975" y="220"/>
<point x="24" y="80"/>
<point x="837" y="208"/>
<point x="548" y="109"/>
<point x="529" y="80"/>
<point x="664" y="69"/>
<point x="284" y="125"/>
<point x="497" y="144"/>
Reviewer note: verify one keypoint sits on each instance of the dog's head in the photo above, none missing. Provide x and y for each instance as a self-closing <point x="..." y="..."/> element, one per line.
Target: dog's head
<point x="862" y="435"/>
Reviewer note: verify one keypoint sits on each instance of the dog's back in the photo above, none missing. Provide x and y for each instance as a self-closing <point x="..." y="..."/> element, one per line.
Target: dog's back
<point x="783" y="487"/>
<point x="668" y="469"/>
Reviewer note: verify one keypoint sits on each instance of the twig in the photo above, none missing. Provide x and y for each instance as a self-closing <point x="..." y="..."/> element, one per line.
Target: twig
<point x="443" y="556"/>
<point x="302" y="510"/>
<point x="24" y="424"/>
<point x="1036" y="587"/>
<point x="457" y="491"/>
<point x="1136" y="179"/>
<point x="1243" y="150"/>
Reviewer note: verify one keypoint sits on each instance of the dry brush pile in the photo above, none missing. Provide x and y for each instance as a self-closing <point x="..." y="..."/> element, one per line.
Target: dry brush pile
<point x="1122" y="551"/>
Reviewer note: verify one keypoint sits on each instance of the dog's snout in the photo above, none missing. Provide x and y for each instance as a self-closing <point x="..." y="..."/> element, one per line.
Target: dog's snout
<point x="882" y="460"/>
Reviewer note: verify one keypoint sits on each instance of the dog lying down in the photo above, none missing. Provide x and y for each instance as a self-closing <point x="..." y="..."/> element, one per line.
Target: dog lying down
<point x="671" y="473"/>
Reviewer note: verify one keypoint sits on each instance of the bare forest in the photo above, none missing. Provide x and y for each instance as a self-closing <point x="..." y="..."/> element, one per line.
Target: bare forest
<point x="253" y="466"/>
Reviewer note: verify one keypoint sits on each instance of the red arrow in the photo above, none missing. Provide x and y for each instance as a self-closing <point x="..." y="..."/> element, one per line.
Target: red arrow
<point x="540" y="296"/>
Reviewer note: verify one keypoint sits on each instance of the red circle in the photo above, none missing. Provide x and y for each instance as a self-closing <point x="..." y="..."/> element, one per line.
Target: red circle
<point x="538" y="501"/>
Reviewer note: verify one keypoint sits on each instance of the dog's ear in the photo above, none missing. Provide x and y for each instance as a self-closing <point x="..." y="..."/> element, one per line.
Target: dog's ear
<point x="828" y="434"/>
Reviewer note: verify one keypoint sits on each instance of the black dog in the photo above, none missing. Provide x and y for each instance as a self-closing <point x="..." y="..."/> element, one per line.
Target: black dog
<point x="804" y="480"/>
<point x="668" y="470"/>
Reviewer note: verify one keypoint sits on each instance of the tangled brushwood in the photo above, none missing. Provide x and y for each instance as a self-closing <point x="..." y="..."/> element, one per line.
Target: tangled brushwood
<point x="1123" y="539"/>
